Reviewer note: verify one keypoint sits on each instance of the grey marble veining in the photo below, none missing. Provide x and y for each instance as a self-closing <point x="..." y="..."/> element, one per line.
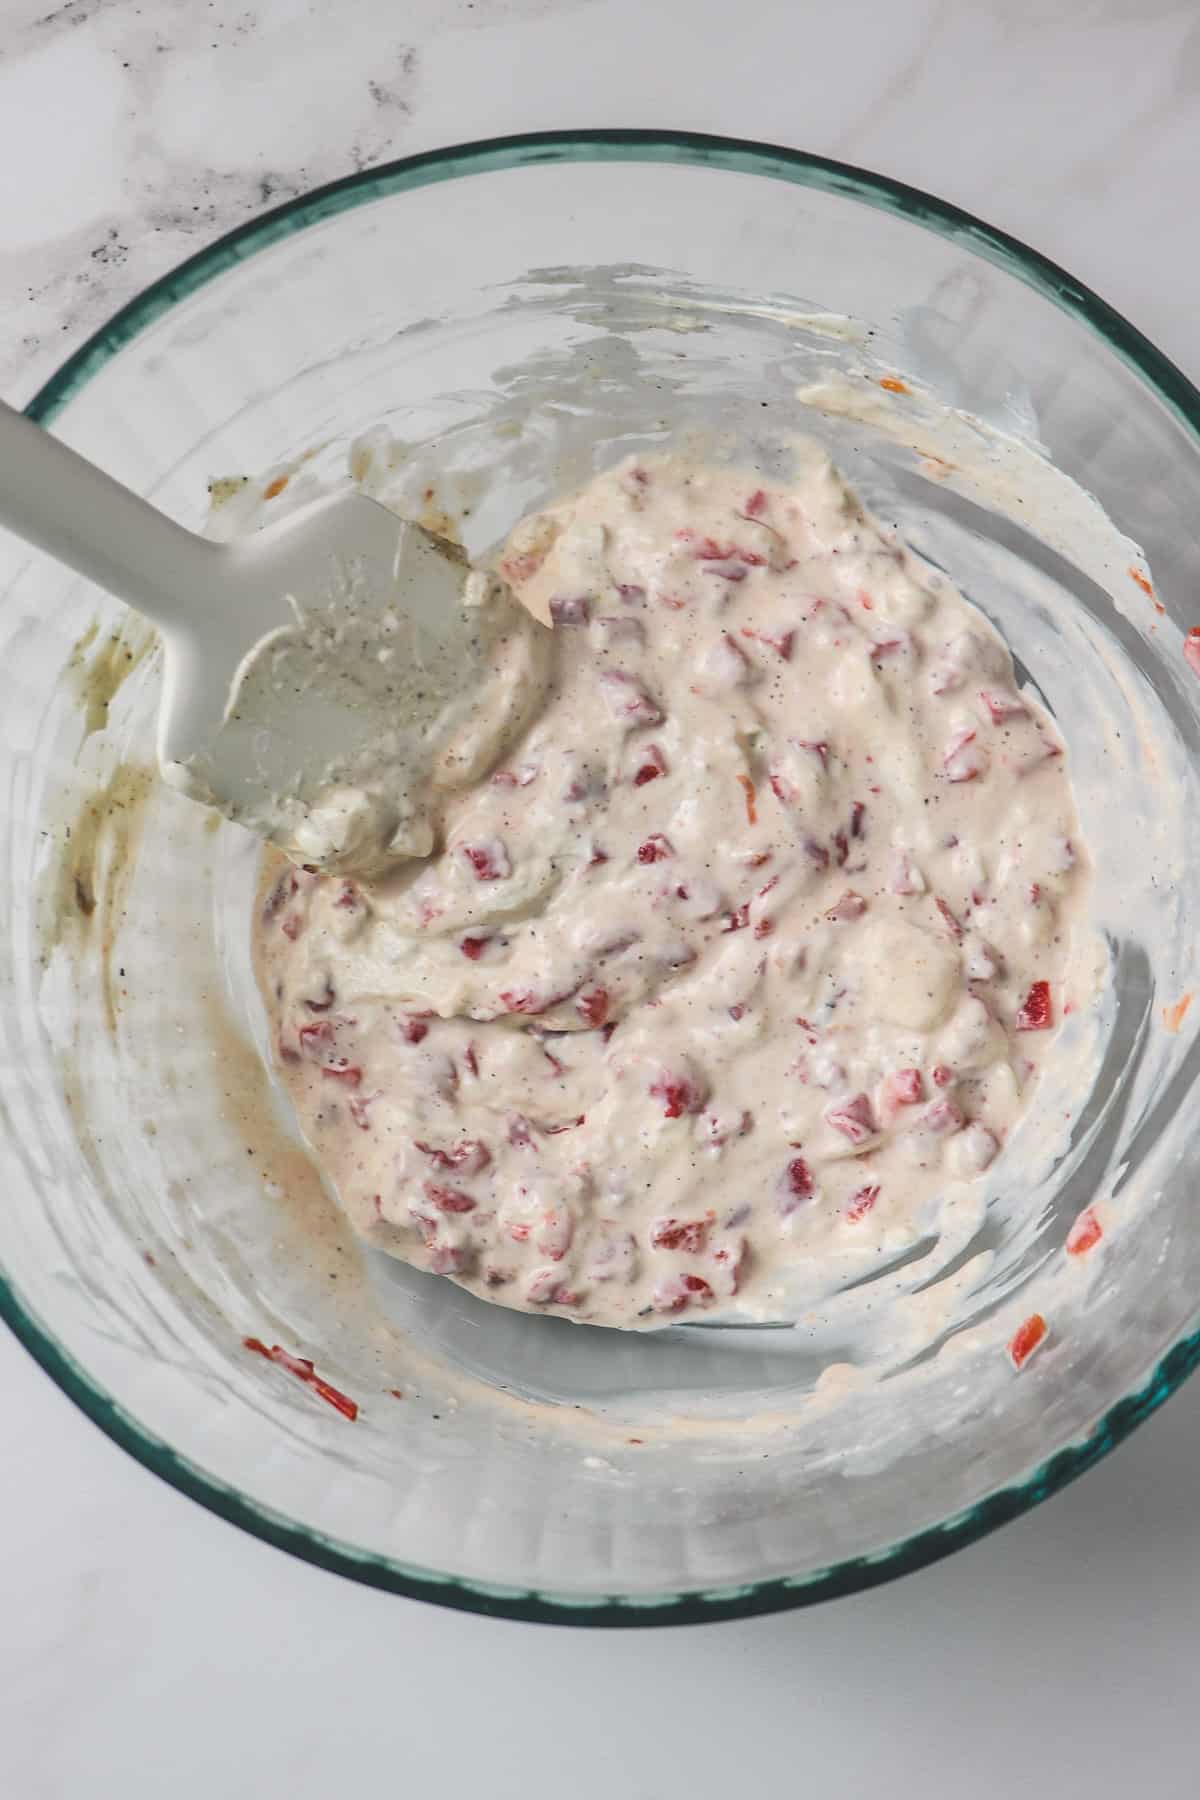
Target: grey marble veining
<point x="147" y="1648"/>
<point x="134" y="131"/>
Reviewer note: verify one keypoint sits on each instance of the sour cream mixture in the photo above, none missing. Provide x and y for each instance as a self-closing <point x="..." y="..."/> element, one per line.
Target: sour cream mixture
<point x="748" y="949"/>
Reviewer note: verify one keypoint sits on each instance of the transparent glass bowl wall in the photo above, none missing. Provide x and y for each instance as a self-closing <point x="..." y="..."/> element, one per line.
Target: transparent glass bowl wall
<point x="519" y="313"/>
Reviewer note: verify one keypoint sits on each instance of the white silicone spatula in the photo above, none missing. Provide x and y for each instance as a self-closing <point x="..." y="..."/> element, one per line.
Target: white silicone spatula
<point x="318" y="674"/>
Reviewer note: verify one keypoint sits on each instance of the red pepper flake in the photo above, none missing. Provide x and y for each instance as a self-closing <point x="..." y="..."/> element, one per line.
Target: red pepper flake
<point x="1085" y="1233"/>
<point x="1173" y="1016"/>
<point x="1036" y="1011"/>
<point x="894" y="385"/>
<point x="1025" y="1339"/>
<point x="747" y="787"/>
<point x="738" y="919"/>
<point x="300" y="1367"/>
<point x="396" y="1393"/>
<point x="1137" y="576"/>
<point x="756" y="504"/>
<point x="275" y="487"/>
<point x="1191" y="649"/>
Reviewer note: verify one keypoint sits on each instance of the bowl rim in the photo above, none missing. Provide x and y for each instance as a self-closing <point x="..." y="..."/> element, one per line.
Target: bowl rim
<point x="693" y="149"/>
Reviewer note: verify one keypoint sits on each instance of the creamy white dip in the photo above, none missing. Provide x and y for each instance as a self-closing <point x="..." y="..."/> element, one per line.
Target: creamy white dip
<point x="743" y="959"/>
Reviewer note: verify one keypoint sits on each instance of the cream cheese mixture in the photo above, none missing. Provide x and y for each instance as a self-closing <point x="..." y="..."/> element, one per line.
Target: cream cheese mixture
<point x="748" y="949"/>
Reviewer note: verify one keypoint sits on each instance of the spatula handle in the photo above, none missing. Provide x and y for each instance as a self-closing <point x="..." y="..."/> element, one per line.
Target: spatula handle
<point x="55" y="499"/>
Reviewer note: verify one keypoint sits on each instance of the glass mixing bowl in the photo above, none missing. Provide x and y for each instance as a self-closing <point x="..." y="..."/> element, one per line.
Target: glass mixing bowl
<point x="517" y="313"/>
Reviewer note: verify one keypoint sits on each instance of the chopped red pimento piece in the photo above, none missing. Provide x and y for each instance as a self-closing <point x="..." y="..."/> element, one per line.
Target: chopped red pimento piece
<point x="348" y="897"/>
<point x="862" y="1202"/>
<point x="963" y="759"/>
<point x="795" y="1185"/>
<point x="1173" y="1015"/>
<point x="347" y="1072"/>
<point x="1191" y="649"/>
<point x="412" y="1028"/>
<point x="782" y="642"/>
<point x="359" y="1106"/>
<point x="627" y="699"/>
<point x="292" y="926"/>
<point x="473" y="946"/>
<point x="850" y="906"/>
<point x="524" y="1000"/>
<point x="864" y="600"/>
<point x="1036" y="1011"/>
<point x="738" y="919"/>
<point x="279" y="895"/>
<point x="902" y="1087"/>
<point x="1025" y="1339"/>
<point x="304" y="1371"/>
<point x="470" y="1156"/>
<point x="655" y="848"/>
<point x="565" y="1125"/>
<point x="853" y="1117"/>
<point x="450" y="1259"/>
<point x="949" y="919"/>
<point x="888" y="647"/>
<point x="488" y="859"/>
<point x="471" y="1059"/>
<point x="592" y="1005"/>
<point x="311" y="1036"/>
<point x="448" y="1199"/>
<point x="764" y="927"/>
<point x="894" y="385"/>
<point x="858" y="813"/>
<point x="756" y="504"/>
<point x="1085" y="1233"/>
<point x="651" y="764"/>
<point x="574" y="611"/>
<point x="1002" y="706"/>
<point x="943" y="1118"/>
<point x="673" y="1294"/>
<point x="747" y="787"/>
<point x="679" y="1093"/>
<point x="940" y="1075"/>
<point x="728" y="1263"/>
<point x="841" y="845"/>
<point x="1136" y="575"/>
<point x="688" y="1235"/>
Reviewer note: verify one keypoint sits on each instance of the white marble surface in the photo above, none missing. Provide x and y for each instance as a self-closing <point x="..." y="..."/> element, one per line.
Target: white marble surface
<point x="141" y="1646"/>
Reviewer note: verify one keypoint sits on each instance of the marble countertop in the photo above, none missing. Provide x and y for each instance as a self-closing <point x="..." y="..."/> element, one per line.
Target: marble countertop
<point x="148" y="1648"/>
